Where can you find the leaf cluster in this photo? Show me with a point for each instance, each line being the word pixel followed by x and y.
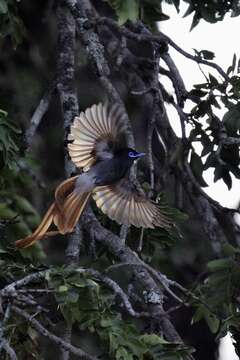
pixel 210 130
pixel 11 24
pixel 220 308
pixel 85 301
pixel 150 11
pixel 8 141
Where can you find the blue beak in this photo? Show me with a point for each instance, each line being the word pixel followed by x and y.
pixel 140 154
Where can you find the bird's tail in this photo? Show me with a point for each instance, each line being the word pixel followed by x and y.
pixel 64 213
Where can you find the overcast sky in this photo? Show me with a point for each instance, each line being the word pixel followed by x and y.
pixel 219 38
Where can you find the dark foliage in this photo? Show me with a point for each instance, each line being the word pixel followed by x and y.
pixel 136 295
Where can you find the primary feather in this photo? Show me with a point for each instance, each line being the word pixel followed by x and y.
pixel 97 143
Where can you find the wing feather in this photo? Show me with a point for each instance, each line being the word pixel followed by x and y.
pixel 123 203
pixel 147 217
pixel 94 133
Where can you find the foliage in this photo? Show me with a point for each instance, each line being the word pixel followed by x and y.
pixel 211 11
pixel 185 255
pixel 8 146
pixel 11 25
pixel 151 10
pixel 210 130
pixel 13 205
pixel 148 11
pixel 220 309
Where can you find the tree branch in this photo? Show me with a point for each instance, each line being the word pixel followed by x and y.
pixel 69 102
pixel 38 115
pixel 95 52
pixel 154 296
pixel 159 39
pixel 44 332
pixel 116 289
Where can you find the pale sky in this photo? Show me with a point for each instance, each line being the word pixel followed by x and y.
pixel 219 38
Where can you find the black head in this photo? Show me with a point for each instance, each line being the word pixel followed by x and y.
pixel 133 154
pixel 130 154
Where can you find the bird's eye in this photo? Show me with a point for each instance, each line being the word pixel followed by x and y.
pixel 131 154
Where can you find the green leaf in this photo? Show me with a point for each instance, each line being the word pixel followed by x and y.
pixel 218 172
pixel 195 21
pixel 201 109
pixel 198 93
pixel 189 10
pixel 152 13
pixel 212 321
pixel 231 120
pixel 8 148
pixel 123 354
pixel 211 161
pixel 125 9
pixel 63 288
pixel 207 55
pixel 229 250
pixel 207 145
pixel 3 7
pixel 238 66
pixel 213 80
pixel 227 179
pixel 219 264
pixel 153 339
pixel 176 4
pixel 24 205
pixel 208 13
pixel 233 66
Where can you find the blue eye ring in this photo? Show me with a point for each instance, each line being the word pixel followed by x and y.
pixel 131 154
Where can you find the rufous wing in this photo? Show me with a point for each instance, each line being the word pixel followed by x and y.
pixel 94 133
pixel 126 205
pixel 64 213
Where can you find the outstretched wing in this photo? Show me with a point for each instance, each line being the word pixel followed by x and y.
pixel 123 203
pixel 95 133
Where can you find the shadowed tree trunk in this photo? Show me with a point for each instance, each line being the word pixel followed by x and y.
pixel 108 291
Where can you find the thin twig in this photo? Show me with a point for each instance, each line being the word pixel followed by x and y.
pixel 126 255
pixel 116 289
pixel 159 39
pixel 11 288
pixel 4 344
pixel 46 333
pixel 9 350
pixel 38 115
pixel 140 243
pixel 163 280
pixel 123 233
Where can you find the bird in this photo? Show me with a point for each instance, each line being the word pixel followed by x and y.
pixel 97 144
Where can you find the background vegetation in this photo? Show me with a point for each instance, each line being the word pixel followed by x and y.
pixel 108 292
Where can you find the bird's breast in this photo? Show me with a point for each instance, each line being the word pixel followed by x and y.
pixel 109 171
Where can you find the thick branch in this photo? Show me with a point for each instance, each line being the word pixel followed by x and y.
pixel 95 52
pixel 154 296
pixel 68 98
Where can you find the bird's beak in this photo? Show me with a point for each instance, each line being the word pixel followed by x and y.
pixel 140 155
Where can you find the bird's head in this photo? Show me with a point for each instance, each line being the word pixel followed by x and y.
pixel 129 155
pixel 134 155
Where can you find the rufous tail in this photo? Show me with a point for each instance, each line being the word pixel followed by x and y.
pixel 64 213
